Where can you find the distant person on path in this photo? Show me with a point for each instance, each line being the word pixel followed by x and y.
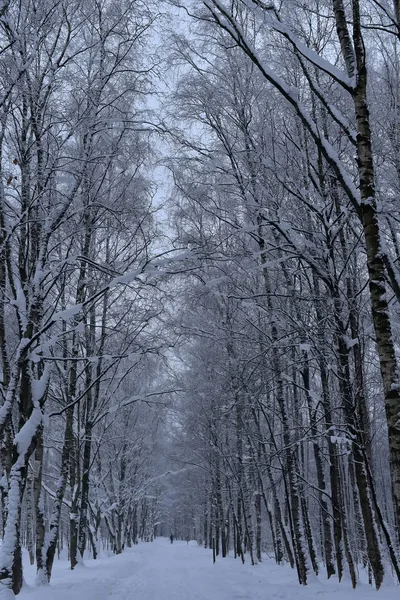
pixel 171 537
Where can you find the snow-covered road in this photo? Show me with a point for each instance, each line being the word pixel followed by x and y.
pixel 161 571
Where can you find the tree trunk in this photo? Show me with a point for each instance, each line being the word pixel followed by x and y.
pixel 257 506
pixel 74 510
pixel 84 503
pixel 40 520
pixel 55 517
pixel 370 524
pixel 30 517
pixel 11 575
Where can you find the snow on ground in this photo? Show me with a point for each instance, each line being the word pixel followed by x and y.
pixel 161 571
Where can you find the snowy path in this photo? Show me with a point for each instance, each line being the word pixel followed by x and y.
pixel 161 571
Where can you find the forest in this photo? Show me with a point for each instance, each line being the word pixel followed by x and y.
pixel 200 282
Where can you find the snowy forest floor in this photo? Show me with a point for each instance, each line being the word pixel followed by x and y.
pixel 161 571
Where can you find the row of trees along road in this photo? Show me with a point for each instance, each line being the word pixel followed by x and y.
pixel 78 312
pixel 285 129
pixel 276 317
